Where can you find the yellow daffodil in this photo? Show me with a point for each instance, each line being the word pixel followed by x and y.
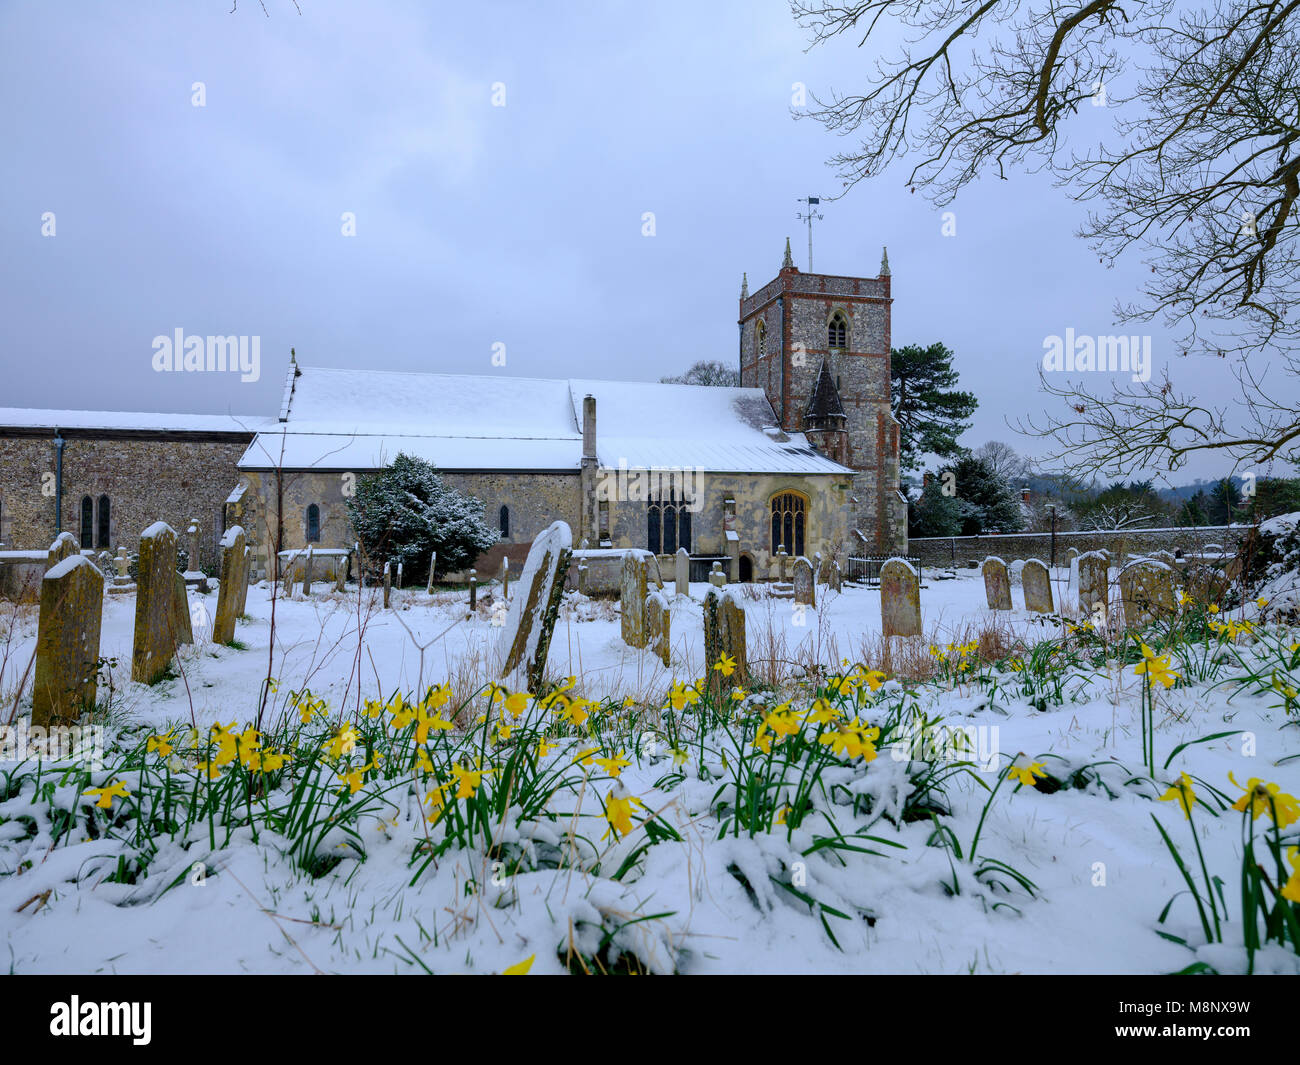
pixel 107 794
pixel 373 708
pixel 679 756
pixel 613 766
pixel 342 741
pixel 517 702
pixel 618 812
pixel 1181 790
pixel 544 747
pixel 822 713
pixel 1261 602
pixel 726 665
pixel 437 803
pixel 1156 667
pixel 403 713
pixel 628 703
pixel 1267 798
pixel 854 739
pixel 1214 608
pixel 737 694
pixel 468 781
pixel 585 756
pixel 1025 771
pixel 1291 889
pixel 520 968
pixel 426 722
pixel 160 745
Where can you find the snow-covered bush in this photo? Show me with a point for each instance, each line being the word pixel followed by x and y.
pixel 406 512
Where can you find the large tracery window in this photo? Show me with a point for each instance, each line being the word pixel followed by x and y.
pixel 668 524
pixel 837 332
pixel 87 522
pixel 788 510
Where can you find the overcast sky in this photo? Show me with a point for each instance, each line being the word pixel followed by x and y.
pixel 475 224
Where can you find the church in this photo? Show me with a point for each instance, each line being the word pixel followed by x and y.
pixel 802 457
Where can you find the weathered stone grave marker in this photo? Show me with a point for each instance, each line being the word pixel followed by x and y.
pixel 1037 585
pixel 804 589
pixel 997 585
pixel 633 584
pixel 526 635
pixel 1146 591
pixel 155 638
pixel 232 550
pixel 67 642
pixel 900 599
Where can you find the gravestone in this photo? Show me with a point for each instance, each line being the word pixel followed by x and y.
pixel 473 590
pixel 307 571
pixel 682 571
pixel 582 576
pixel 658 624
pixel 724 634
pixel 155 569
pixel 505 577
pixel 1147 592
pixel 388 583
pixel 526 635
pixel 900 599
pixel 122 584
pixel 835 581
pixel 997 585
pixel 65 546
pixel 433 565
pixel 1037 585
pixel 67 642
pixel 804 590
pixel 341 572
pixel 245 572
pixel 633 584
pixel 782 558
pixel 231 551
pixel 182 628
pixel 1094 582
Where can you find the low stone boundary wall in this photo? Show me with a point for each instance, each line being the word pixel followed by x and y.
pixel 941 550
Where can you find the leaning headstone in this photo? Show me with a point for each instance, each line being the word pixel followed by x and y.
pixel 1147 592
pixel 804 590
pixel 1094 582
pixel 997 585
pixel 682 571
pixel 67 642
pixel 657 624
pixel 724 634
pixel 633 583
pixel 900 599
pixel 1037 584
pixel 65 546
pixel 154 603
pixel 182 628
pixel 231 550
pixel 526 635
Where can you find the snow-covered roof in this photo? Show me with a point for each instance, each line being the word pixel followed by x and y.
pixel 720 430
pixel 362 419
pixel 24 418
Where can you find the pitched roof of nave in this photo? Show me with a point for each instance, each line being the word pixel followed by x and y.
pixel 336 419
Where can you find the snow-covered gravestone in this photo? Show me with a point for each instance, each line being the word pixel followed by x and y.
pixel 724 634
pixel 232 550
pixel 1037 585
pixel 658 624
pixel 155 599
pixel 900 599
pixel 67 642
pixel 341 571
pixel 307 571
pixel 804 589
pixel 1093 585
pixel 682 574
pixel 1147 592
pixel 64 546
pixel 997 585
pixel 388 583
pixel 433 566
pixel 526 635
pixel 633 584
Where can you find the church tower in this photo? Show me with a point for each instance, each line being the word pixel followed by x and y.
pixel 818 346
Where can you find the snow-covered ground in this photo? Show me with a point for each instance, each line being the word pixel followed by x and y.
pixel 1102 873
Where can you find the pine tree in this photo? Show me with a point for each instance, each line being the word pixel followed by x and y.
pixel 931 415
pixel 986 502
pixel 405 512
pixel 934 514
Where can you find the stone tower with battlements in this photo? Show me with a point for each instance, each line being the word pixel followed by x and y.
pixel 818 346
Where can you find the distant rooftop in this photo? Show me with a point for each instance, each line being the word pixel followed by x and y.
pixel 130 421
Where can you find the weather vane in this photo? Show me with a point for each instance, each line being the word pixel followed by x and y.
pixel 808 216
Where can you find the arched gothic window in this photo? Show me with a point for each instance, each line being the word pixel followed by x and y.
pixel 87 522
pixel 504 518
pixel 788 515
pixel 101 532
pixel 837 332
pixel 668 523
pixel 761 339
pixel 313 524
